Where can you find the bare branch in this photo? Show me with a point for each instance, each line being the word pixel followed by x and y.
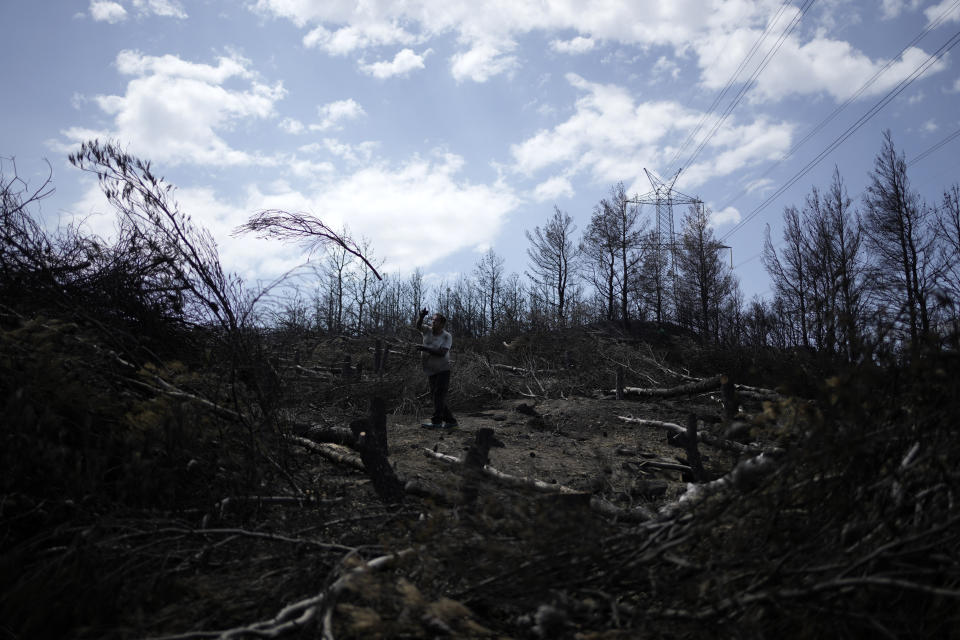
pixel 299 227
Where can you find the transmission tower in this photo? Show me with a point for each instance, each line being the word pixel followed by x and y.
pixel 663 196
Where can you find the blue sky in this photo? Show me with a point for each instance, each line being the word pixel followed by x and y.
pixel 437 129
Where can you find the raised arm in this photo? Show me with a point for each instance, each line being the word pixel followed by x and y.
pixel 423 314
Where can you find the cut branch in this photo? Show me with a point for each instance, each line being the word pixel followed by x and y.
pixel 299 614
pixel 299 227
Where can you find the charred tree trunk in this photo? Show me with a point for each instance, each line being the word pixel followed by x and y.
pixel 731 404
pixel 371 437
pixel 697 474
pixel 478 457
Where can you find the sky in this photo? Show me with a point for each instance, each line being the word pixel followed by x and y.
pixel 437 129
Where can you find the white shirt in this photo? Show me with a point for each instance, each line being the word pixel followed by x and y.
pixel 435 364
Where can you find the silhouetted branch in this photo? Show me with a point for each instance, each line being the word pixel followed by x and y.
pixel 299 227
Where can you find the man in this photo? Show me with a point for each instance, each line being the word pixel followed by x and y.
pixel 436 364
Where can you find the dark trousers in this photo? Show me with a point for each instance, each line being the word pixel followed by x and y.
pixel 439 386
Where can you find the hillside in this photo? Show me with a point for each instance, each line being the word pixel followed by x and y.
pixel 164 499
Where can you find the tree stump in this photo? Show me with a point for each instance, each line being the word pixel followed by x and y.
pixel 477 457
pixel 731 404
pixel 371 437
pixel 697 474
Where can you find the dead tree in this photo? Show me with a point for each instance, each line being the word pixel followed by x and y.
pixel 371 437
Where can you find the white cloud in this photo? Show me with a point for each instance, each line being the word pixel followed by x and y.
pixel 736 147
pixel 890 9
pixel 820 65
pixel 403 63
pixel 573 46
pixel 414 214
pixel 351 153
pixel 481 63
pixel 292 125
pixel 934 12
pixel 666 66
pixel 176 111
pixel 552 189
pixel 106 11
pixel 956 86
pixel 135 63
pixel 355 37
pixel 546 109
pixel 762 185
pixel 165 8
pixel 114 12
pixel 333 113
pixel 730 215
pixel 429 214
pixel 718 32
pixel 930 126
pixel 611 137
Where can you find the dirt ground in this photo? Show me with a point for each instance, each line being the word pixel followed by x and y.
pixel 577 442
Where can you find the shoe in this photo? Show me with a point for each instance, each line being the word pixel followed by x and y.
pixel 431 425
pixel 451 425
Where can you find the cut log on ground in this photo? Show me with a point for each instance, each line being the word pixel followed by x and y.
pixel 325 433
pixel 747 475
pixel 709 384
pixel 703 436
pixel 757 393
pixel 597 504
pixel 333 452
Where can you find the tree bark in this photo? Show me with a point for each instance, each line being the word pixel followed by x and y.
pixel 371 436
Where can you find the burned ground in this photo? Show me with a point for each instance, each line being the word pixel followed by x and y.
pixel 156 500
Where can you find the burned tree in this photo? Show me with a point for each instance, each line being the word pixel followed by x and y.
pixel 553 260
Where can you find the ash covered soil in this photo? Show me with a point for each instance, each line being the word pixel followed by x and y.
pixel 577 442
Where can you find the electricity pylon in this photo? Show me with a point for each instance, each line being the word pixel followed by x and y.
pixel 663 196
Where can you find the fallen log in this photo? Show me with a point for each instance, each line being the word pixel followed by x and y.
pixel 703 436
pixel 748 474
pixel 333 452
pixel 522 482
pixel 324 433
pixel 597 504
pixel 325 375
pixel 757 393
pixel 669 466
pixel 699 386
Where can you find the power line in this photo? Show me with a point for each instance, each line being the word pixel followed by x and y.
pixel 893 93
pixel 934 148
pixel 730 82
pixel 920 156
pixel 752 79
pixel 866 85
